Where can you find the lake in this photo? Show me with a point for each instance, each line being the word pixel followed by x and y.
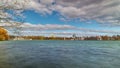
pixel 60 54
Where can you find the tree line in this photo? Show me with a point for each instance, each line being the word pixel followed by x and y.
pixel 114 37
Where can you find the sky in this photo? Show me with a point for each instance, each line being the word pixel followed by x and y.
pixel 67 17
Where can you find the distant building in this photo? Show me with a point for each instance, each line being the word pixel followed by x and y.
pixel 74 36
pixel 81 38
pixel 99 37
pixel 52 37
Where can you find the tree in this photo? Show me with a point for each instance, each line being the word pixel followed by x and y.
pixel 11 13
pixel 3 34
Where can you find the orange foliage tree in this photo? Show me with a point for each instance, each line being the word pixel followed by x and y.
pixel 3 34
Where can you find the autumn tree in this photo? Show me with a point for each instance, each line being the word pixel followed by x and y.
pixel 3 34
pixel 11 13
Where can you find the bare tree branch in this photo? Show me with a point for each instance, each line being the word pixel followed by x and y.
pixel 16 7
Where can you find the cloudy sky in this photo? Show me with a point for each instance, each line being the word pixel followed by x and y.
pixel 83 17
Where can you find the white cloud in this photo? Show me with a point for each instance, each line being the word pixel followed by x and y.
pixel 38 27
pixel 47 1
pixel 99 10
pixel 50 28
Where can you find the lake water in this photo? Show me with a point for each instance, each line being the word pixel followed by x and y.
pixel 60 54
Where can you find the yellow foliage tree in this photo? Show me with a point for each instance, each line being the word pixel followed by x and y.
pixel 3 34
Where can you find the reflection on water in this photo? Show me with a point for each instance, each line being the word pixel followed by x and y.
pixel 60 54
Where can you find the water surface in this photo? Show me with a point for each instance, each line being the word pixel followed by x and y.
pixel 60 54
